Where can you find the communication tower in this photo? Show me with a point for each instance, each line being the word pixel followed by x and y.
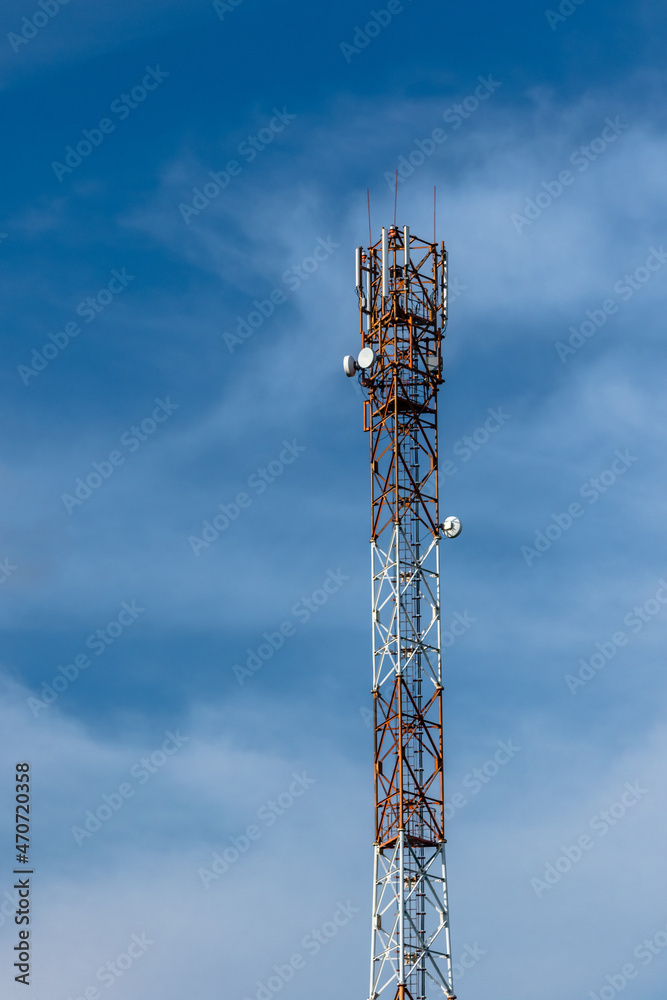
pixel 401 284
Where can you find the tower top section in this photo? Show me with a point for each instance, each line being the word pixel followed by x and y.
pixel 401 284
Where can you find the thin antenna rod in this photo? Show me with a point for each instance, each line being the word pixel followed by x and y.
pixel 434 213
pixel 395 197
pixel 370 231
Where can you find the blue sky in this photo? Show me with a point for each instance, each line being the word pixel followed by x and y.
pixel 552 201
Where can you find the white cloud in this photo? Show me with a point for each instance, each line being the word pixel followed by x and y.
pixel 139 872
pixel 79 32
pixel 523 292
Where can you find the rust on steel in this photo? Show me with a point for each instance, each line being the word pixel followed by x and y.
pixel 400 414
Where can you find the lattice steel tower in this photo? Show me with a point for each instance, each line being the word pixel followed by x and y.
pixel 402 289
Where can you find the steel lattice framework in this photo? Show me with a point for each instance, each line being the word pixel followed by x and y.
pixel 402 290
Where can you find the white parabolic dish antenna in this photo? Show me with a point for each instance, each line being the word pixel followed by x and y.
pixel 451 527
pixel 366 357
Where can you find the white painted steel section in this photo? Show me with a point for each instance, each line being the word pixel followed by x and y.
pixel 390 598
pixel 391 966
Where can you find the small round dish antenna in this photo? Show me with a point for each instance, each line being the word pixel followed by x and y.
pixel 366 357
pixel 349 366
pixel 451 527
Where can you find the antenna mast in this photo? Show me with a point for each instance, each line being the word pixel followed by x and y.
pixel 402 289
